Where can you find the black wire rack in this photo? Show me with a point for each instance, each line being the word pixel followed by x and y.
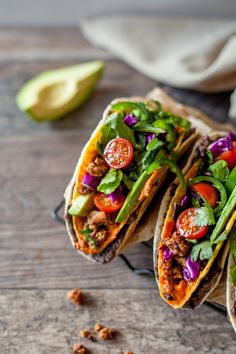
pixel 56 214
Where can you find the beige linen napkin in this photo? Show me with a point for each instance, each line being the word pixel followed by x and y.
pixel 196 54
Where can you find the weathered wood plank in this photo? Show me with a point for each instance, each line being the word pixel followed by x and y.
pixel 40 322
pixel 50 44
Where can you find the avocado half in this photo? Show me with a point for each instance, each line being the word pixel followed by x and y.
pixel 53 94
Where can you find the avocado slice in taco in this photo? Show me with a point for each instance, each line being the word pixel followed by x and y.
pixel 120 170
pixel 195 222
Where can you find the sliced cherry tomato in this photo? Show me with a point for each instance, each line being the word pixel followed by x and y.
pixel 118 153
pixel 185 225
pixel 229 156
pixel 207 191
pixel 104 203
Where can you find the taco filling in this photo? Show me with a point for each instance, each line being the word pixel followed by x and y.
pixel 135 142
pixel 194 229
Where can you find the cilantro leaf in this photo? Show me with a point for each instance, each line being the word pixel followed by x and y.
pixel 115 120
pixel 154 144
pixel 223 236
pixel 110 181
pixel 148 128
pixel 146 160
pixel 210 157
pixel 202 250
pixel 86 233
pixel 107 134
pixel 137 108
pixel 176 121
pixel 204 216
pixel 219 170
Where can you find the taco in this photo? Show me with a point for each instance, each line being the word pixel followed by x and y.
pixel 120 170
pixel 190 242
pixel 231 279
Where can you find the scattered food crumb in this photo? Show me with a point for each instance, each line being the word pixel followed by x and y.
pixel 88 334
pixel 107 333
pixel 76 296
pixel 79 349
pixel 98 327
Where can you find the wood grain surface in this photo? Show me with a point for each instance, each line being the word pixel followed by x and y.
pixel 37 263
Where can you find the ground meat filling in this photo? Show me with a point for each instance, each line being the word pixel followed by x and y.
pixel 84 190
pixel 97 168
pixel 172 268
pixel 98 223
pixel 177 245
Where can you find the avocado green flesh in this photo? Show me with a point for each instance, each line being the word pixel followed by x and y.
pixel 53 94
pixel 132 198
pixel 225 214
pixel 82 205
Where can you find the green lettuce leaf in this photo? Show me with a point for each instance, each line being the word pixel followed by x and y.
pixel 219 170
pixel 110 181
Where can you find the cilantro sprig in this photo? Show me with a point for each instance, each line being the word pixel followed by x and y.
pixel 204 249
pixel 86 233
pixel 204 216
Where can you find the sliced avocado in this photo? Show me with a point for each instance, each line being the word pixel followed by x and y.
pixel 132 198
pixel 52 94
pixel 82 205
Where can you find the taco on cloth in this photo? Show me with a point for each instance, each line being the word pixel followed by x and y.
pixel 120 170
pixel 190 242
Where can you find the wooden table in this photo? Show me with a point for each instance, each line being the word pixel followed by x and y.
pixel 38 264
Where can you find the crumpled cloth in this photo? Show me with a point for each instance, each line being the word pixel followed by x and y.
pixel 184 53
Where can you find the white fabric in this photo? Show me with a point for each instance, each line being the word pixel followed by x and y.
pixel 197 54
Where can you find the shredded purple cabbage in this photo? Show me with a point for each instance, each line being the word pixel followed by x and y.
pixel 196 196
pixel 221 145
pixel 177 211
pixel 130 120
pixel 186 274
pixel 184 201
pixel 231 136
pixel 150 137
pixel 167 254
pixel 116 195
pixel 90 181
pixel 190 272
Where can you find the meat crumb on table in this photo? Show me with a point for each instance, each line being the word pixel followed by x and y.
pixel 76 296
pixel 79 349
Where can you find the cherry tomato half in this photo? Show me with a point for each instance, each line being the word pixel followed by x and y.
pixel 185 225
pixel 229 156
pixel 104 203
pixel 118 153
pixel 207 191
